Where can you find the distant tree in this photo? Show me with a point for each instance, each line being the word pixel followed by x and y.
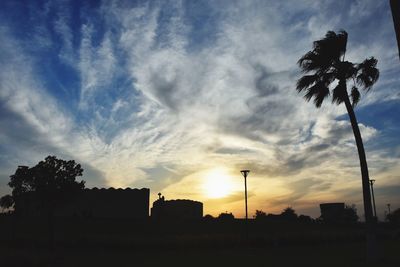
pixel 305 218
pixel 394 217
pixel 260 215
pixel 6 202
pixel 208 217
pixel 273 217
pixel 225 216
pixel 51 183
pixel 350 214
pixel 288 214
pixel 21 182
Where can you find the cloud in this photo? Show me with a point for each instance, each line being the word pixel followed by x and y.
pixel 164 91
pixel 64 31
pixel 96 64
pixel 300 189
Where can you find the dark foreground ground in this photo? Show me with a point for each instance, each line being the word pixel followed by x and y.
pixel 126 243
pixel 325 255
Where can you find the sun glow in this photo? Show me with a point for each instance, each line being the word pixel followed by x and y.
pixel 218 184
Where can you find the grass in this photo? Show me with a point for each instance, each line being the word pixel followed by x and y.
pixel 127 243
pixel 351 254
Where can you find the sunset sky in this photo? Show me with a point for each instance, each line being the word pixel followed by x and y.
pixel 179 96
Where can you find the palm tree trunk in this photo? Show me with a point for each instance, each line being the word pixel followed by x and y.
pixel 395 6
pixel 369 219
pixel 363 162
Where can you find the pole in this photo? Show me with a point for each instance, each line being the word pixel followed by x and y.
pixel 245 173
pixel 388 205
pixel 245 194
pixel 373 196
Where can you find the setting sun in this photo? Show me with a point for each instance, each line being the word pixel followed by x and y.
pixel 218 184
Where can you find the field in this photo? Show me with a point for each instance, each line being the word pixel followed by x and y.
pixel 212 243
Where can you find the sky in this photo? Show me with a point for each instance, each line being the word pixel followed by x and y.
pixel 179 96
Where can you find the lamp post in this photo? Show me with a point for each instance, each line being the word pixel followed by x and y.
pixel 245 173
pixel 371 182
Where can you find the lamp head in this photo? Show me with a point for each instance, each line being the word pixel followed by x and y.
pixel 245 173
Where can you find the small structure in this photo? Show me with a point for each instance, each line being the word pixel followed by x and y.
pixel 332 212
pixel 179 209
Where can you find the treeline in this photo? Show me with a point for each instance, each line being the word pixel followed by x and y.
pixel 289 215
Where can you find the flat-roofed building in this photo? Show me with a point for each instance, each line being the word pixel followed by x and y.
pixel 178 209
pixel 97 203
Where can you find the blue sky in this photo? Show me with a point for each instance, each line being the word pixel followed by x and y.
pixel 178 96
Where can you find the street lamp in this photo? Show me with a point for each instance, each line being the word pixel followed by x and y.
pixel 371 182
pixel 245 173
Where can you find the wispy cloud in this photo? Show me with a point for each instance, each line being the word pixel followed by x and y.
pixel 160 98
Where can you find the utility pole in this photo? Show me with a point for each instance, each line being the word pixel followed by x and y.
pixel 245 173
pixel 371 182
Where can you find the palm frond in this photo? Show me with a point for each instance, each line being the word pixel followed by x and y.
pixel 355 96
pixel 325 52
pixel 368 74
pixel 339 93
pixel 305 82
pixel 319 91
pixel 342 41
pixel 309 56
pixel 325 63
pixel 320 97
pixel 309 62
pixel 328 77
pixel 332 47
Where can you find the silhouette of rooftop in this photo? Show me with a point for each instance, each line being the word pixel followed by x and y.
pixel 176 209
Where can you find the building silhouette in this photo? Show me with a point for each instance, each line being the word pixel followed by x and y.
pixel 111 203
pixel 97 203
pixel 178 209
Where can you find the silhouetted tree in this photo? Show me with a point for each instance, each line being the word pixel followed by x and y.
pixel 327 63
pixel 394 216
pixel 52 183
pixel 208 217
pixel 6 202
pixel 21 183
pixel 350 214
pixel 288 214
pixel 260 215
pixel 305 218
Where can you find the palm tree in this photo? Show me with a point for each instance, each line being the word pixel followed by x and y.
pixel 329 74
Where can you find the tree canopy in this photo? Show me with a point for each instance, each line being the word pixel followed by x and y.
pixel 289 214
pixel 52 182
pixel 327 64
